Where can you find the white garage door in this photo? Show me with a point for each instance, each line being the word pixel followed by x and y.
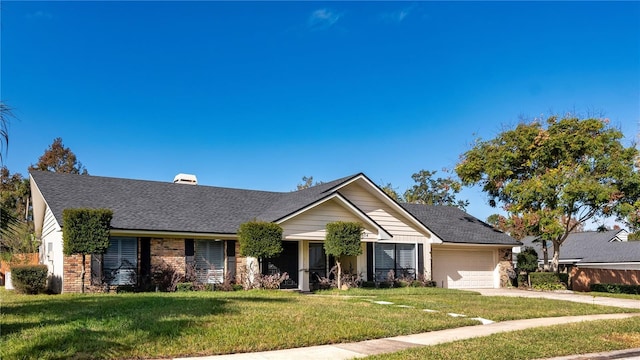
pixel 458 269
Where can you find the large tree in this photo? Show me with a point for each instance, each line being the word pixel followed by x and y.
pixel 60 159
pixel 14 197
pixel 556 175
pixel 430 190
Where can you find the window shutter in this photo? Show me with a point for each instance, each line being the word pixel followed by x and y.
pixel 421 259
pixel 369 261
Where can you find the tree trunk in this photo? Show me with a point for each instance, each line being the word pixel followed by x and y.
pixel 339 275
pixel 82 274
pixel 555 263
pixel 545 256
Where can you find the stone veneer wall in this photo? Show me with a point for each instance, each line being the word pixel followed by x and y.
pixel 167 252
pixel 241 264
pixel 505 265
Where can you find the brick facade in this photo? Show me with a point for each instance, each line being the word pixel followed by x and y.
pixel 168 252
pixel 582 278
pixel 72 275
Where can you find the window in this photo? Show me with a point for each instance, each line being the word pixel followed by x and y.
pixel 209 261
pixel 119 263
pixel 401 258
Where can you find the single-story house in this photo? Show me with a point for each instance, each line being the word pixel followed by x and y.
pixel 592 249
pixel 595 257
pixel 156 224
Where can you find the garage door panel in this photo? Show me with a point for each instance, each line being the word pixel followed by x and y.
pixel 463 269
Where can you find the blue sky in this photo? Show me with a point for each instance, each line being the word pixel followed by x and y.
pixel 258 94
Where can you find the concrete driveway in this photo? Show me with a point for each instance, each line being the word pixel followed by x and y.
pixel 563 295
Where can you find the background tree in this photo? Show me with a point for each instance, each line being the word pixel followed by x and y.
pixel 60 159
pixel 343 239
pixel 392 192
pixel 307 182
pixel 14 197
pixel 260 240
pixel 438 191
pixel 86 231
pixel 556 176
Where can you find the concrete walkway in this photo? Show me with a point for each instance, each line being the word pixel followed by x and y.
pixel 565 295
pixel 397 343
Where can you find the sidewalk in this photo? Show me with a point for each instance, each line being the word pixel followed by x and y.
pixel 566 296
pixel 397 343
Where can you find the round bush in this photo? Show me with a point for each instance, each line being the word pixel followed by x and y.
pixel 29 279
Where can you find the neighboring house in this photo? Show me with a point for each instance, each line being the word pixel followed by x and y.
pixel 159 224
pixel 593 249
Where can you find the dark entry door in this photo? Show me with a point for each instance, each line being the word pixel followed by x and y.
pixel 286 262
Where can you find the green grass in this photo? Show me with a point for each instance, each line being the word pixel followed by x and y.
pixel 537 343
pixel 619 296
pixel 154 325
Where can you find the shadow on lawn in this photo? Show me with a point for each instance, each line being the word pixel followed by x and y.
pixel 90 326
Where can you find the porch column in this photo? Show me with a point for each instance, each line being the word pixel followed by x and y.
pixel 303 265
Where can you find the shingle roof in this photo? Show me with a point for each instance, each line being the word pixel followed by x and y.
pixel 456 226
pixel 163 206
pixel 592 247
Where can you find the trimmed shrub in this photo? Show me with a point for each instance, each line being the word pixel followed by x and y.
pixel 29 279
pixel 185 286
pixel 616 288
pixel 549 280
pixel 260 239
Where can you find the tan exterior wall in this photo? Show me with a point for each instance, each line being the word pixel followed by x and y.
pixel 381 213
pixel 582 278
pixel 311 225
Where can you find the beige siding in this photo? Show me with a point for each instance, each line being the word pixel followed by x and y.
pixel 381 213
pixel 310 225
pixel 50 224
pixel 51 234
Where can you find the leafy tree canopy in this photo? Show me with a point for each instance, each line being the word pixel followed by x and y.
pixel 14 197
pixel 343 238
pixel 260 239
pixel 60 159
pixel 392 192
pixel 434 191
pixel 557 175
pixel 307 182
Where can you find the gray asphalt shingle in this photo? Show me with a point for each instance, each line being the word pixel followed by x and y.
pixel 456 226
pixel 592 247
pixel 164 206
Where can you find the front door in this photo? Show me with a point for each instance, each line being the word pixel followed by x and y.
pixel 286 262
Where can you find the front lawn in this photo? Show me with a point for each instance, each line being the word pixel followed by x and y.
pixel 538 343
pixel 154 325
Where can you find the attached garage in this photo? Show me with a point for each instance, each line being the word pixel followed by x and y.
pixel 465 269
